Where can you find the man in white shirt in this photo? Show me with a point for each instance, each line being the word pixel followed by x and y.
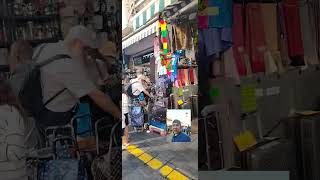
pixel 70 74
pixel 138 87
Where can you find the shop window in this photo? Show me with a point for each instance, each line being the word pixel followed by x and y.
pixel 152 10
pixel 144 15
pixel 137 23
pixel 161 5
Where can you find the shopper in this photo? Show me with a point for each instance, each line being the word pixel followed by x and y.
pixel 20 57
pixel 179 136
pixel 12 136
pixel 125 119
pixel 96 68
pixel 69 77
pixel 138 89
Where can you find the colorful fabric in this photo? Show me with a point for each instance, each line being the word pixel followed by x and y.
pixel 255 39
pixel 214 14
pixel 294 35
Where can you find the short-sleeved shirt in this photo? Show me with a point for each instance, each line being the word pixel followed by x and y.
pixel 60 74
pixel 137 88
pixel 182 137
pixel 12 144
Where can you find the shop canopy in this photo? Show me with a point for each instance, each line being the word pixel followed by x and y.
pixel 180 7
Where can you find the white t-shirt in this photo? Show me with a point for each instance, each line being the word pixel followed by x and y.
pixel 137 87
pixel 60 74
pixel 12 144
pixel 125 104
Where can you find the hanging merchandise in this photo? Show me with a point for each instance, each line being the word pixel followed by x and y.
pixel 307 19
pixel 292 22
pixel 240 55
pixel 164 35
pixel 182 37
pixel 273 57
pixel 214 14
pixel 255 40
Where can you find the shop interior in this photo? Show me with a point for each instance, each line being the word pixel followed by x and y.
pixel 260 106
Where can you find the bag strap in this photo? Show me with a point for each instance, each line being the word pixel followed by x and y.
pixel 131 87
pixel 39 52
pixel 56 95
pixel 50 60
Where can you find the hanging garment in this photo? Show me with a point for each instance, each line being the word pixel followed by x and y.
pixel 238 40
pixel 292 21
pixel 183 37
pixel 283 41
pixel 195 75
pixel 186 76
pixel 191 75
pixel 255 40
pixel 270 23
pixel 214 41
pixel 230 66
pixel 308 33
pixel 215 14
pixel 315 4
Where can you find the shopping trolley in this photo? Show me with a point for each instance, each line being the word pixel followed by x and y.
pixel 108 166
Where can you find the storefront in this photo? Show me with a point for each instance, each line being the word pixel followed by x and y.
pixel 175 65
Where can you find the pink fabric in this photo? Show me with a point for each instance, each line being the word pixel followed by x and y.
pixel 195 75
pixel 238 39
pixel 292 21
pixel 191 77
pixel 202 22
pixel 255 40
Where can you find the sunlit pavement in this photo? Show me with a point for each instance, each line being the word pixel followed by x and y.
pixel 154 157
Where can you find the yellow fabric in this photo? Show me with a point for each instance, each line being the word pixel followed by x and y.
pixel 245 140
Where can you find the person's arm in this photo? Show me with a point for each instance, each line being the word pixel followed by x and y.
pixel 147 93
pixel 105 102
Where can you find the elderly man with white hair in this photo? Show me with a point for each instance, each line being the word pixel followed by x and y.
pixel 66 81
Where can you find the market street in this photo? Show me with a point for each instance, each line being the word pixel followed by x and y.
pixel 179 158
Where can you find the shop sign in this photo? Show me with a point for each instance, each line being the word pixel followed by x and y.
pixel 142 59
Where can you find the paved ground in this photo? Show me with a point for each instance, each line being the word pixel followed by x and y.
pixel 181 157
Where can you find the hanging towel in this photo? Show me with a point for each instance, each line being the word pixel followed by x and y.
pixel 270 23
pixel 186 76
pixel 295 43
pixel 238 39
pixel 283 41
pixel 308 33
pixel 255 39
pixel 195 75
pixel 230 66
pixel 191 75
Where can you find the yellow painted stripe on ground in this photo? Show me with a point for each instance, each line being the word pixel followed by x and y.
pixel 130 147
pixel 136 152
pixel 175 175
pixel 145 157
pixel 155 164
pixel 166 170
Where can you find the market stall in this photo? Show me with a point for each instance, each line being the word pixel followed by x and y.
pixel 176 82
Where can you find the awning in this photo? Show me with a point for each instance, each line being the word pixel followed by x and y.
pixel 179 6
pixel 141 47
